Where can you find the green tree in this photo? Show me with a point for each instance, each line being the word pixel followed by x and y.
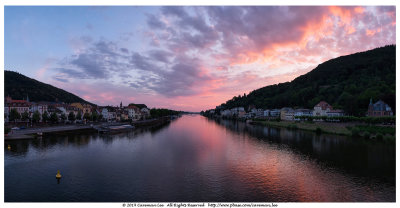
pixel 14 115
pixel 45 116
pixel 79 115
pixel 53 117
pixel 71 116
pixel 36 117
pixel 25 116
pixel 86 116
pixel 94 116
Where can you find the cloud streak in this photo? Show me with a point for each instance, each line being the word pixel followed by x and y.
pixel 217 52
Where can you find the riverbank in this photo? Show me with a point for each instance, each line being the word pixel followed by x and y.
pixel 31 133
pixel 331 128
pixel 346 129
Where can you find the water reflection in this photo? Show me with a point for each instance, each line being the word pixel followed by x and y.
pixel 353 155
pixel 196 159
pixel 45 143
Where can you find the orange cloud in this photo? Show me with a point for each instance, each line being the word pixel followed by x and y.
pixel 344 14
pixel 350 30
pixel 372 32
pixel 313 30
pixel 359 10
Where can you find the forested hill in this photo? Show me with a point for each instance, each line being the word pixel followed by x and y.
pixel 347 82
pixel 18 86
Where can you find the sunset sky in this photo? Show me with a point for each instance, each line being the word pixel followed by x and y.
pixel 183 58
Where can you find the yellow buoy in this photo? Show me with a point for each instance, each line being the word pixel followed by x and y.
pixel 58 176
pixel 9 147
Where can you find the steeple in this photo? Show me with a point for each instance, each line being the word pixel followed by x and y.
pixel 27 98
pixel 370 101
pixel 120 105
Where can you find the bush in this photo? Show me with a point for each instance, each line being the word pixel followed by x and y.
pixel 355 132
pixel 389 138
pixel 377 129
pixel 292 126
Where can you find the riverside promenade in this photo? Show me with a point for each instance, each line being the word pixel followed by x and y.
pixel 32 132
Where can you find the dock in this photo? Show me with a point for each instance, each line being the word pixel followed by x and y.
pixel 152 122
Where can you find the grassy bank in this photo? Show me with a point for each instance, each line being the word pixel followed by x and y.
pixel 332 128
pixel 386 133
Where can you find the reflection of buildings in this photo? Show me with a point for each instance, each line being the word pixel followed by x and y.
pixel 336 150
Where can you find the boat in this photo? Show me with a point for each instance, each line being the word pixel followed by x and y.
pixel 115 129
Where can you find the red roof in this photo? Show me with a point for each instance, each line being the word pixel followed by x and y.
pixel 132 107
pixel 324 105
pixel 19 101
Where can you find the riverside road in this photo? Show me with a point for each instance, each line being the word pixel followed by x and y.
pixel 28 133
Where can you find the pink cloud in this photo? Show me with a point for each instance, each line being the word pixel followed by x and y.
pixel 199 57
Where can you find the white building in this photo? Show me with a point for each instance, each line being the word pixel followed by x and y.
pixel 335 113
pixel 40 107
pixel 145 112
pixel 133 112
pixel 62 109
pixel 112 115
pixel 104 113
pixel 321 109
pixel 302 112
pixel 226 113
pixel 259 112
pixel 275 113
pixel 238 111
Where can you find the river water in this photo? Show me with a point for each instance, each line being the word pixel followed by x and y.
pixel 195 159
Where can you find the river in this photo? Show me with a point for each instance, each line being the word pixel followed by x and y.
pixel 195 159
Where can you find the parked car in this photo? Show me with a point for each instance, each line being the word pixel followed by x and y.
pixel 22 127
pixel 15 128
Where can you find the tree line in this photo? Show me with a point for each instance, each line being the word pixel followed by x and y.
pixel 14 116
pixel 161 112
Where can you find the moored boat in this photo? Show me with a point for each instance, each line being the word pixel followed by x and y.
pixel 115 129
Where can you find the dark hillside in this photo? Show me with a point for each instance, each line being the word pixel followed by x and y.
pixel 346 82
pixel 19 86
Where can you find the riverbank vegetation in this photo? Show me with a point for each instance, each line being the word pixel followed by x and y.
pixel 386 133
pixel 367 120
pixel 161 112
pixel 336 128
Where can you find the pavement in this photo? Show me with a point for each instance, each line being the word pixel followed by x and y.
pixel 30 132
